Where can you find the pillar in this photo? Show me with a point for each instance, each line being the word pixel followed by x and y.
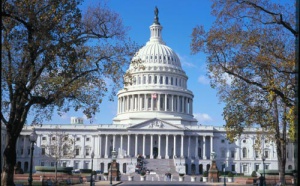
pixel 196 148
pixel 174 149
pixel 144 141
pixel 167 147
pixel 159 147
pixel 136 143
pixel 121 145
pixel 128 145
pixel 106 141
pixel 204 150
pixel 189 147
pixel 100 143
pixel 114 142
pixel 151 146
pixel 211 144
pixel 181 152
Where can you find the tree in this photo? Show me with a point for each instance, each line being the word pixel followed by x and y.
pixel 251 62
pixel 59 146
pixel 55 58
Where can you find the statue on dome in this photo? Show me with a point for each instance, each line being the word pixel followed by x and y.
pixel 156 15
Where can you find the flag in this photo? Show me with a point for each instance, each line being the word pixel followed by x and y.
pixel 154 96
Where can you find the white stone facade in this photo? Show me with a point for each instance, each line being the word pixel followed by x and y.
pixel 154 119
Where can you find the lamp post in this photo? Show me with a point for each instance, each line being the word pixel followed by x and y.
pixel 92 156
pixel 32 139
pixel 113 158
pixel 264 178
pixel 224 173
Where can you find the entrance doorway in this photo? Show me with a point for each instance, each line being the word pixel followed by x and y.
pixel 155 152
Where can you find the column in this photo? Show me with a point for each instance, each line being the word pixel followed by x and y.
pixel 158 102
pixel 167 146
pixel 204 151
pixel 178 104
pixel 118 109
pixel 139 103
pixel 131 102
pixel 159 150
pixel 100 143
pixel 181 152
pixel 182 104
pixel 174 149
pixel 144 141
pixel 146 102
pixel 151 146
pixel 172 104
pixel 189 148
pixel 211 144
pixel 94 145
pixel 128 145
pixel 106 142
pixel 121 145
pixel 114 142
pixel 166 102
pixel 196 148
pixel 127 106
pixel 83 152
pixel 151 101
pixel 136 143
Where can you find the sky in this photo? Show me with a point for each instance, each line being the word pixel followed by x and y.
pixel 178 18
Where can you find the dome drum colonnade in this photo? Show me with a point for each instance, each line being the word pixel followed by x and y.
pixel 159 89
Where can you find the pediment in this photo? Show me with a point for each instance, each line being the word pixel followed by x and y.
pixel 155 124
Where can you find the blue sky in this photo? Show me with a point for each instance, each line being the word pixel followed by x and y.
pixel 178 18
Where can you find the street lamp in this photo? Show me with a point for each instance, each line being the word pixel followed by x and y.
pixel 224 173
pixel 92 156
pixel 264 178
pixel 32 139
pixel 113 158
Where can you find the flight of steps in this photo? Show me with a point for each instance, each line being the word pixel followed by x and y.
pixel 161 166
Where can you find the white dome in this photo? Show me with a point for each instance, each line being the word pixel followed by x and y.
pixel 159 89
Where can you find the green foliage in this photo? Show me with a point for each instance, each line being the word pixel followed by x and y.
pixel 143 173
pixel 230 174
pixel 253 174
pixel 85 170
pixel 52 169
pixel 105 173
pixel 181 174
pixel 205 174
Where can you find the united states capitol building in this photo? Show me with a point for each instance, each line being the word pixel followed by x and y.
pixel 154 120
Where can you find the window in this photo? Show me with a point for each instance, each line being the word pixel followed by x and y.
pixel 233 167
pixel 171 80
pixel 76 165
pixel 222 141
pixel 245 168
pixel 223 153
pixel 244 141
pixel 167 80
pixel 42 163
pixel 87 151
pixel 144 79
pixel 77 139
pixel 266 154
pixel 256 154
pixel 290 167
pixel 44 138
pixel 87 139
pixel 22 151
pixel 161 80
pixel 256 167
pixel 266 141
pixel 86 165
pixel 149 79
pixel 77 151
pixel 43 151
pixel 52 164
pixel 155 79
pixel 267 166
pixel 244 152
pixel 64 164
pixel 53 138
pixel 232 154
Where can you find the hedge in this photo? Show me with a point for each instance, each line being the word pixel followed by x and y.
pixel 52 169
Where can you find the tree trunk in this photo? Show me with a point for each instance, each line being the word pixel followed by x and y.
pixel 56 172
pixel 9 161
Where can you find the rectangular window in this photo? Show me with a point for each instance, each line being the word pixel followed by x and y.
pixel 44 138
pixel 64 164
pixel 87 139
pixel 244 168
pixel 52 164
pixel 87 152
pixel 256 154
pixel 233 167
pixel 42 163
pixel 256 167
pixel 267 154
pixel 77 139
pixel 77 152
pixel 144 79
pixel 223 154
pixel 232 154
pixel 43 151
pixel 76 165
pixel 86 165
pixel 267 166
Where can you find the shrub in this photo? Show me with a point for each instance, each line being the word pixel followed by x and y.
pixel 181 174
pixel 85 170
pixel 143 173
pixel 105 174
pixel 205 174
pixel 254 174
pixel 230 174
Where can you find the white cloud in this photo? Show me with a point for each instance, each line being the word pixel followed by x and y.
pixel 202 117
pixel 203 80
pixel 184 62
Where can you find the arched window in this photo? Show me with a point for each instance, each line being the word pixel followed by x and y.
pixel 167 80
pixel 244 152
pixel 171 80
pixel 290 167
